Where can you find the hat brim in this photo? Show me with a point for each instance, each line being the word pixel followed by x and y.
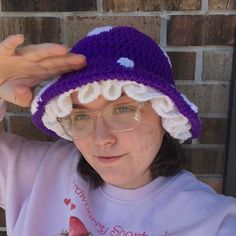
pixel 71 81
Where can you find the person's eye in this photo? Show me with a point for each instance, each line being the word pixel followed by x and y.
pixel 81 116
pixel 124 109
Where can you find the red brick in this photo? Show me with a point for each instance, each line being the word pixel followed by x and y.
pixel 198 30
pixel 2 218
pixel 13 108
pixel 150 5
pixel 35 29
pixel 24 127
pixel 183 5
pixel 48 5
pixel 133 5
pixel 217 65
pixel 210 98
pixel 213 131
pixel 183 64
pixel 221 4
pixel 78 27
pixel 205 160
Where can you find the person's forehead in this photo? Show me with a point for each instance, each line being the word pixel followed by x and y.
pixel 99 102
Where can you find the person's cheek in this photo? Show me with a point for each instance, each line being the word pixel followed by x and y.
pixel 83 146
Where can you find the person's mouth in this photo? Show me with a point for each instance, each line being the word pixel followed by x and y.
pixel 109 159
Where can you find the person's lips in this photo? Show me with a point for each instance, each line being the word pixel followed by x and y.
pixel 109 159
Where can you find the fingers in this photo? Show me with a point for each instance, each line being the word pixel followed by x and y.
pixel 41 51
pixel 35 72
pixel 9 45
pixel 63 64
pixel 58 71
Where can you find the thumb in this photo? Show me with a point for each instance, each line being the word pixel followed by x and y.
pixel 22 96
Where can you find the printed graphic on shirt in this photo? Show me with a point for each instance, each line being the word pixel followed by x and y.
pixel 78 228
pixel 68 202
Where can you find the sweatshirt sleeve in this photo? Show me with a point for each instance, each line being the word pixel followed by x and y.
pixel 2 165
pixel 20 160
pixel 228 226
pixel 2 109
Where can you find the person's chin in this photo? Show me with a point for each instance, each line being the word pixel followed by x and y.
pixel 116 181
pixel 124 181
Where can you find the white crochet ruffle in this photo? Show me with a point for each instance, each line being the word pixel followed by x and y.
pixel 173 121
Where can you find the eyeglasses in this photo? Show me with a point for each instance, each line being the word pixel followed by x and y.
pixel 118 117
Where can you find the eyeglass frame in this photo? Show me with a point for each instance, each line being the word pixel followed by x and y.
pixel 94 118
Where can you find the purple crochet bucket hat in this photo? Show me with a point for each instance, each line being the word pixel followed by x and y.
pixel 124 55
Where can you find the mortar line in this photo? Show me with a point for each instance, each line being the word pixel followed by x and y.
pixel 199 66
pixel 102 13
pixel 99 6
pixel 204 5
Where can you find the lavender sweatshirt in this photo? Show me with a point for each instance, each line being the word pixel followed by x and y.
pixel 44 196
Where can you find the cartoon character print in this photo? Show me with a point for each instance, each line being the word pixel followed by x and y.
pixel 76 226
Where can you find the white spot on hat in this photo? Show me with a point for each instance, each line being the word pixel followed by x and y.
pixel 126 62
pixel 99 30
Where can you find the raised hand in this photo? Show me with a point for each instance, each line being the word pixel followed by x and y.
pixel 22 68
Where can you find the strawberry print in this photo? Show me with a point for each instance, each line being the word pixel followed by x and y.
pixel 77 228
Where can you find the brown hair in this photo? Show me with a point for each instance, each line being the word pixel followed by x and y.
pixel 168 162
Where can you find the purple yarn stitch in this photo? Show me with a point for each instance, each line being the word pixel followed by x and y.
pixel 151 68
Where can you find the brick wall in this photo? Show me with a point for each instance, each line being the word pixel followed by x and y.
pixel 198 35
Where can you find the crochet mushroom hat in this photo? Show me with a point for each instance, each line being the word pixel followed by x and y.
pixel 119 60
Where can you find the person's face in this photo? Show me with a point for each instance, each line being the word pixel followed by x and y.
pixel 122 158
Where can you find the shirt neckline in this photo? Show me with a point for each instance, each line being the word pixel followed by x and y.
pixel 139 194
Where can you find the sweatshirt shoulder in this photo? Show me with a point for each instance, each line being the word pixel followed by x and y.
pixel 202 193
pixel 17 148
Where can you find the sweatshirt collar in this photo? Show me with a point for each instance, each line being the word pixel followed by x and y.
pixel 139 194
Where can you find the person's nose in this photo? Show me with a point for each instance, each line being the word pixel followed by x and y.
pixel 103 135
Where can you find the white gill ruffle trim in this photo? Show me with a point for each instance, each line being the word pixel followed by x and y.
pixel 173 121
